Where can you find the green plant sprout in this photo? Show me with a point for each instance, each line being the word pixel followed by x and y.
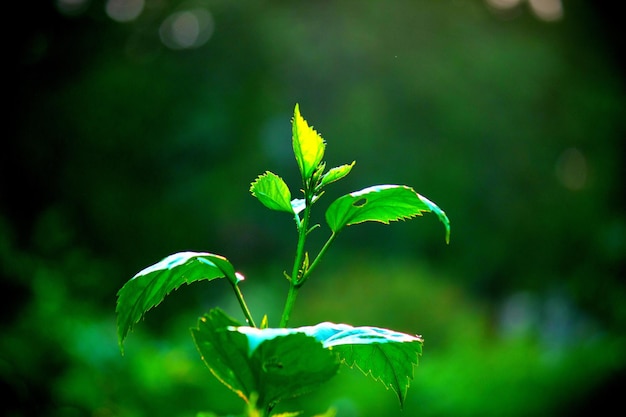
pixel 263 365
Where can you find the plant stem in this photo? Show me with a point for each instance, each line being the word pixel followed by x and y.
pixel 295 286
pixel 317 258
pixel 294 282
pixel 291 299
pixel 244 306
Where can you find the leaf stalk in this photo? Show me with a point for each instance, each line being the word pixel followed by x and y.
pixel 243 305
pixel 316 261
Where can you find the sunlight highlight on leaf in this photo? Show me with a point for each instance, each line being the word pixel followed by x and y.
pixel 150 286
pixel 335 174
pixel 267 362
pixel 272 191
pixel 385 355
pixel 308 145
pixel 380 203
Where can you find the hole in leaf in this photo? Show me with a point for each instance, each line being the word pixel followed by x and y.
pixel 360 202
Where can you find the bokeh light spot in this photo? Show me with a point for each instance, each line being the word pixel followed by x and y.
pixel 503 4
pixel 187 29
pixel 72 7
pixel 124 10
pixel 548 10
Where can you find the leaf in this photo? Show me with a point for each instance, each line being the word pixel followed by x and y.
pixel 440 214
pixel 150 286
pixel 335 174
pixel 225 352
pixel 274 363
pixel 291 365
pixel 380 203
pixel 299 204
pixel 386 355
pixel 308 145
pixel 272 191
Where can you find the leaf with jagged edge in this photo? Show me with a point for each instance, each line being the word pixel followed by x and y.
pixel 274 363
pixel 308 145
pixel 150 286
pixel 439 213
pixel 335 174
pixel 381 203
pixel 225 352
pixel 386 355
pixel 272 191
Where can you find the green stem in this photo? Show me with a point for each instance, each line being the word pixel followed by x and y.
pixel 291 299
pixel 243 305
pixel 294 282
pixel 317 258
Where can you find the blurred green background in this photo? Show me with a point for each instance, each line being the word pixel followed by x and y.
pixel 133 129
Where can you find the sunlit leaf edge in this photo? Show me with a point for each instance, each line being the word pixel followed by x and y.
pixel 149 287
pixel 342 338
pixel 272 191
pixel 335 174
pixel 218 348
pixel 308 145
pixel 401 381
pixel 345 211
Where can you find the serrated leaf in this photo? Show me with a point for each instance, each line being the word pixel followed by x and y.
pixel 335 174
pixel 225 352
pixel 291 365
pixel 308 145
pixel 380 203
pixel 150 286
pixel 272 191
pixel 274 363
pixel 386 355
pixel 440 214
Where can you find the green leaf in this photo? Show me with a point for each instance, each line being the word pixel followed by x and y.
pixel 291 365
pixel 440 214
pixel 274 363
pixel 225 352
pixel 299 204
pixel 386 355
pixel 335 174
pixel 150 286
pixel 308 145
pixel 381 203
pixel 272 191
